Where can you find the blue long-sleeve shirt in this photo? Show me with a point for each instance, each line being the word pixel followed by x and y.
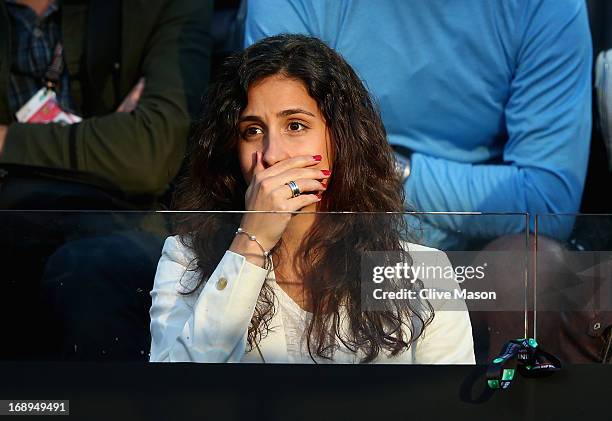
pixel 493 96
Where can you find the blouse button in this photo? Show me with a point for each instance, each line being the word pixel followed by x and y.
pixel 221 284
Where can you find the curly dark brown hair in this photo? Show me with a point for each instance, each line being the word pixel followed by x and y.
pixel 364 182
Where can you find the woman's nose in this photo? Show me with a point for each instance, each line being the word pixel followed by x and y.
pixel 275 149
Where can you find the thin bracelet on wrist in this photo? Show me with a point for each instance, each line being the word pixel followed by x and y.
pixel 267 258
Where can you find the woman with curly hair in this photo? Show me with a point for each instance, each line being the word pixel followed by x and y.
pixel 291 136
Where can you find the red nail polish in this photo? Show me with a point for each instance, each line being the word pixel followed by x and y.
pixel 326 172
pixel 317 157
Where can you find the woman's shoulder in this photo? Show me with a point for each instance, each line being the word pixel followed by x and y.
pixel 408 246
pixel 178 248
pixel 177 267
pixel 420 252
pixel 434 264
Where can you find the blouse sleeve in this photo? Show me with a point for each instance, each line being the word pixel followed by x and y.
pixel 210 326
pixel 448 338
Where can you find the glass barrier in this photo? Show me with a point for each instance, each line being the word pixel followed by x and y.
pixel 573 289
pixel 338 287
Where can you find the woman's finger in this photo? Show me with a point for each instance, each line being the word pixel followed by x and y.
pixel 300 161
pixel 304 185
pixel 299 174
pixel 259 166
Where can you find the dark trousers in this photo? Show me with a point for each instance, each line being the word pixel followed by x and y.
pixel 76 286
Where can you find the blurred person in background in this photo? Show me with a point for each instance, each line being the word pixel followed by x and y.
pixel 135 80
pixel 96 102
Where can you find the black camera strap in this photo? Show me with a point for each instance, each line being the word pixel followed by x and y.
pixel 523 355
pixel 56 68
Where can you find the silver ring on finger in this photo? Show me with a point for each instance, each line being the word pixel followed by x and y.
pixel 295 190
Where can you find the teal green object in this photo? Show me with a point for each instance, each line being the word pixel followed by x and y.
pixel 493 384
pixel 508 374
pixel 533 343
pixel 498 360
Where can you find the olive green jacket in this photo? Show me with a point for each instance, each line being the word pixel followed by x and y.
pixel 165 41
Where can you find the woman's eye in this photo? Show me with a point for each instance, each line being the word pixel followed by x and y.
pixel 295 126
pixel 252 131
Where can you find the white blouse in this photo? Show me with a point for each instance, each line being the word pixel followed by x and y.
pixel 211 325
pixel 295 322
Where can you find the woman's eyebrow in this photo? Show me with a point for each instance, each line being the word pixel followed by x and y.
pixel 284 113
pixel 250 118
pixel 289 112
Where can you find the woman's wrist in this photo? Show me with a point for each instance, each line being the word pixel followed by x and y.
pixel 249 249
pixel 255 224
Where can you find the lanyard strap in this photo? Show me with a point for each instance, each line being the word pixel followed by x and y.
pixel 524 355
pixel 55 69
